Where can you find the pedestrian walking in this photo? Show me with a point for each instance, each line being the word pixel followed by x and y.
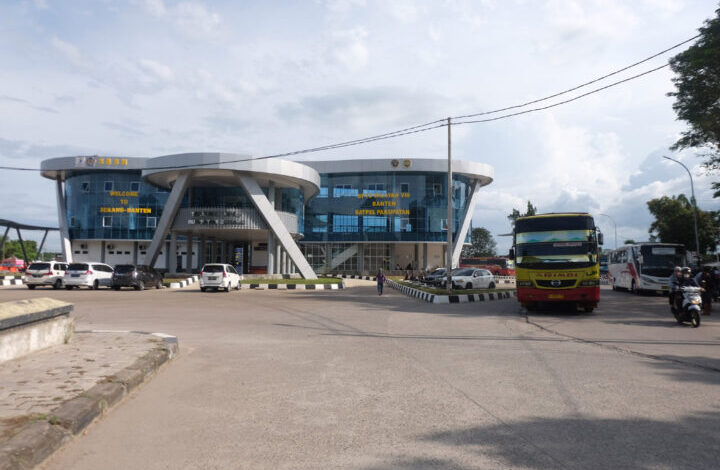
pixel 380 281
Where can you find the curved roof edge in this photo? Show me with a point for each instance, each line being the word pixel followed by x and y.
pixel 57 168
pixel 163 170
pixel 480 171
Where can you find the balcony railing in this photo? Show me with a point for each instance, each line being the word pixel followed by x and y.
pixel 228 218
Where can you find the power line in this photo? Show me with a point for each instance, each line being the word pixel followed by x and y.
pixel 437 123
pixel 570 100
pixel 555 95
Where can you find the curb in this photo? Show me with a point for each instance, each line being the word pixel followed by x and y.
pixel 184 283
pixel 294 286
pixel 38 440
pixel 11 281
pixel 449 299
pixel 352 276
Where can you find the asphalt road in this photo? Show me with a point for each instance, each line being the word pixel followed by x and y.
pixel 352 380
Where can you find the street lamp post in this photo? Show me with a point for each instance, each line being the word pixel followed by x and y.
pixel 615 225
pixel 692 190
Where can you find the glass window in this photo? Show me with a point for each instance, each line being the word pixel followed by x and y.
pixel 135 186
pixel 85 186
pixel 375 188
pixel 107 221
pixel 323 192
pixel 404 187
pixel 344 190
pixel 345 223
pixel 373 223
pixel 108 186
pixel 151 222
pixel 402 224
pixel 319 224
pixel 437 189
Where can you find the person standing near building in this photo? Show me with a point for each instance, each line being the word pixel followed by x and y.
pixel 380 281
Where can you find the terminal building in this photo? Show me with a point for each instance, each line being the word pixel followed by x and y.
pixel 265 216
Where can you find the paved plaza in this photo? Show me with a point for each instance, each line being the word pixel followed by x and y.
pixel 347 379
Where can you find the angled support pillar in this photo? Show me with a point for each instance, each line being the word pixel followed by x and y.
pixel 465 225
pixel 169 212
pixel 2 243
pixel 267 212
pixel 62 222
pixel 42 244
pixel 22 245
pixel 172 253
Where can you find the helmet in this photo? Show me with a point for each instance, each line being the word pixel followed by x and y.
pixel 677 269
pixel 686 272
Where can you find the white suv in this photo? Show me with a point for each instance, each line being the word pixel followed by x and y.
pixel 219 276
pixel 92 275
pixel 48 273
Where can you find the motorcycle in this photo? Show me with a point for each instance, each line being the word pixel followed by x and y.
pixel 691 305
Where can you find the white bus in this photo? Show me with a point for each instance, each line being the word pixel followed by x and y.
pixel 644 266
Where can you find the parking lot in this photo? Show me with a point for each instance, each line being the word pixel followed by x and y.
pixel 348 379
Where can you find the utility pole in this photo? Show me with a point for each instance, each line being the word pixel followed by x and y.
pixel 692 190
pixel 448 263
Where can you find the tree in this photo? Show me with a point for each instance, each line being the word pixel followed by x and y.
pixel 13 248
pixel 697 99
pixel 482 244
pixel 531 210
pixel 674 223
pixel 629 242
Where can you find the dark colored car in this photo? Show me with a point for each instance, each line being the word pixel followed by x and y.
pixel 136 276
pixel 435 277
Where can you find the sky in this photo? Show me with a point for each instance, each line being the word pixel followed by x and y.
pixel 144 78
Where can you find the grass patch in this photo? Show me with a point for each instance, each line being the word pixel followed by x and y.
pixel 322 280
pixel 441 291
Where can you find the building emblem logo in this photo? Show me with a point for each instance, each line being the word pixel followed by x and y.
pixel 90 161
pixel 395 163
pixel 407 163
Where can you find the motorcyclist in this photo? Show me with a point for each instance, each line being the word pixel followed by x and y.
pixel 685 280
pixel 674 277
pixel 706 277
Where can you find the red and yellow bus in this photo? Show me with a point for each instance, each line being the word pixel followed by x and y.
pixel 557 259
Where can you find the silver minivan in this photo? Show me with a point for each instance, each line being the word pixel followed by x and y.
pixel 219 276
pixel 92 275
pixel 45 273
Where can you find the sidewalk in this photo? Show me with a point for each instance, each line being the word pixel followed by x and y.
pixel 47 396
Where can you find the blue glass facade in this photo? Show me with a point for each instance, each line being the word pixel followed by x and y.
pixel 113 205
pixel 385 207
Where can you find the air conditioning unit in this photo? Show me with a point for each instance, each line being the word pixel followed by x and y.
pixel 83 246
pixel 110 247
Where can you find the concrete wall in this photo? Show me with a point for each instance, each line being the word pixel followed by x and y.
pixel 404 254
pixel 435 256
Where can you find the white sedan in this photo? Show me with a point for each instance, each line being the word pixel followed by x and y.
pixel 472 278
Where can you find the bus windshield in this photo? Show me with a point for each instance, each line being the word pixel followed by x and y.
pixel 660 260
pixel 566 254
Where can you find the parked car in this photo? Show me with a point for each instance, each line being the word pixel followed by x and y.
pixel 137 276
pixel 47 273
pixel 472 278
pixel 435 277
pixel 92 275
pixel 219 276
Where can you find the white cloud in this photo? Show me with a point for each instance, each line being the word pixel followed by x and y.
pixel 349 49
pixel 194 19
pixel 70 52
pixel 157 71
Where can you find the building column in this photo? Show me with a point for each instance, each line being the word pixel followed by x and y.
pixel 270 253
pixel 201 253
pixel 188 253
pixel 328 257
pixel 135 252
pixel 361 257
pixel 102 251
pixel 167 257
pixel 172 253
pixel 424 256
pixel 62 222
